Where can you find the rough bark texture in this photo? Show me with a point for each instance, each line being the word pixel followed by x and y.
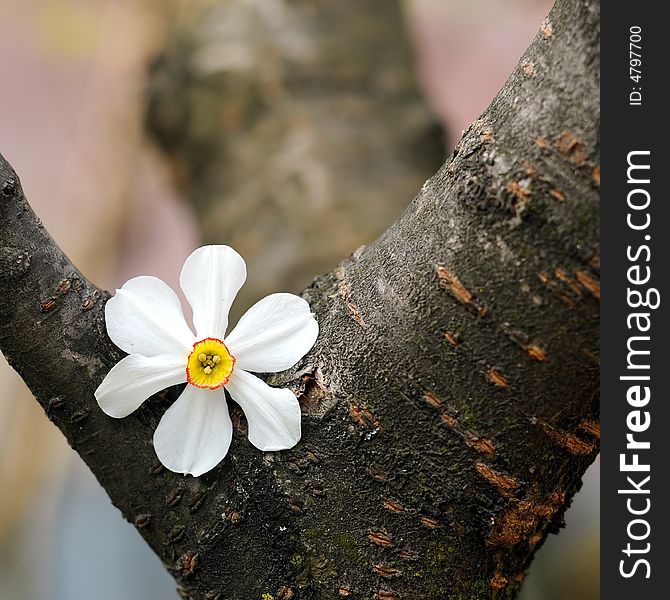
pixel 450 403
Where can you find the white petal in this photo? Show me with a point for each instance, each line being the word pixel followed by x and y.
pixel 145 317
pixel 195 432
pixel 211 278
pixel 273 414
pixel 132 380
pixel 274 334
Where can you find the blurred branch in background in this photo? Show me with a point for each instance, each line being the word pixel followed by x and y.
pixel 281 117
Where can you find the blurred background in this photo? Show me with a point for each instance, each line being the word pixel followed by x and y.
pixel 143 128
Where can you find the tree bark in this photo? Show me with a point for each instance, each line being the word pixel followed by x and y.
pixel 280 116
pixel 450 405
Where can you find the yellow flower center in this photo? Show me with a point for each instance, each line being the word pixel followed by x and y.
pixel 210 364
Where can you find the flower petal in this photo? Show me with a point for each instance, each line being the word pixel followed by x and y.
pixel 195 432
pixel 211 278
pixel 274 334
pixel 132 380
pixel 273 414
pixel 145 317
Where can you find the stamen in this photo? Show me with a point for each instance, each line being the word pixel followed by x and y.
pixel 210 364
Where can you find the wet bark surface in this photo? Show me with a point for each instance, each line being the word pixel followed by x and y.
pixel 450 405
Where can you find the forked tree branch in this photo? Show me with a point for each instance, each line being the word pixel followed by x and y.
pixel 450 404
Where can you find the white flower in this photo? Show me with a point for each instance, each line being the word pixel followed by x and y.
pixel 145 320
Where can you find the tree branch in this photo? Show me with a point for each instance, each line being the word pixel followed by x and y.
pixel 450 404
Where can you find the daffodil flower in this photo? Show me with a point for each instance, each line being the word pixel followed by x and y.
pixel 145 319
